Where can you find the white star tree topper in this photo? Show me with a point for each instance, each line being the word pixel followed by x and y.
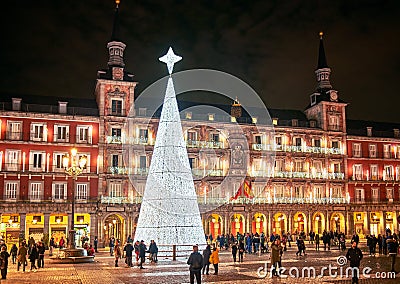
pixel 170 59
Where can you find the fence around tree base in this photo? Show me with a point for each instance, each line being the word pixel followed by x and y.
pixel 173 252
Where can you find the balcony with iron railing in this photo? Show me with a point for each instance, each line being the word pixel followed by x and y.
pixel 52 109
pixel 116 112
pixel 39 198
pixel 296 149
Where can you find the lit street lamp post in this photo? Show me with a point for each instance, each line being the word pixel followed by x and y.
pixel 73 166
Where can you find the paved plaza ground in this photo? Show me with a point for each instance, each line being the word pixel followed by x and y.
pixel 167 271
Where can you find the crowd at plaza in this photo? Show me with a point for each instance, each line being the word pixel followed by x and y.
pixel 273 246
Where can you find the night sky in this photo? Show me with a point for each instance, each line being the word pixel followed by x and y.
pixel 54 48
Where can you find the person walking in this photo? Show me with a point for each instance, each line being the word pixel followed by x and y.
pixel 95 243
pixel 4 255
pixel 234 251
pixel 206 259
pixel 21 258
pixel 241 250
pixel 128 253
pixel 136 247
pixel 51 246
pixel 13 252
pixel 354 255
pixel 392 247
pixel 276 252
pixel 196 263
pixel 317 241
pixel 41 250
pixel 111 244
pixel 142 253
pixel 33 256
pixel 117 253
pixel 214 259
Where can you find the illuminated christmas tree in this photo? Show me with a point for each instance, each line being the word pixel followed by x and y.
pixel 169 213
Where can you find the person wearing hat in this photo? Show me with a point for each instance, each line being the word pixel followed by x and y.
pixel 142 253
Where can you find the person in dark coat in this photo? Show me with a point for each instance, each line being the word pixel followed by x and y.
pixel 4 255
pixel 13 253
pixel 234 251
pixel 33 256
pixel 128 253
pixel 241 250
pixel 195 262
pixel 392 247
pixel 95 243
pixel 153 249
pixel 354 255
pixel 22 252
pixel 206 259
pixel 142 253
pixel 41 250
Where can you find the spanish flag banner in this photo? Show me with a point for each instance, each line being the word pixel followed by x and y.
pixel 244 189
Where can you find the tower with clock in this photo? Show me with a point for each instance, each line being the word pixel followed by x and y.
pixel 325 107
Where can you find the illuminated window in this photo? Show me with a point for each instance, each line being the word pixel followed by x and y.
pixel 372 150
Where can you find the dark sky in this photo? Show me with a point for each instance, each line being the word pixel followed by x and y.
pixel 56 47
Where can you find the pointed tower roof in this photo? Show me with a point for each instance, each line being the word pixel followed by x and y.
pixel 321 55
pixel 115 36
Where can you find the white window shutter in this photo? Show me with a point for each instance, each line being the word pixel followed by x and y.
pixel 67 133
pixel 89 136
pixel 65 191
pixel 43 162
pixel 55 134
pixel 53 193
pixel 45 131
pixel 88 163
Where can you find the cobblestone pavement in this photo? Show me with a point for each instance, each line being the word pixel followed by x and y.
pixel 165 271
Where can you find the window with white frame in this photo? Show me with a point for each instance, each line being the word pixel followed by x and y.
pixel 374 172
pixel 35 190
pixel 143 135
pixel 12 160
pixel 115 190
pixel 372 150
pixel 142 162
pixel 356 149
pixel 386 151
pixel 297 141
pixel 298 166
pixel 397 173
pixel 257 139
pixel 375 194
pixel 86 167
pixel 37 161
pixel 192 162
pixel 81 191
pixel 318 192
pixel 191 136
pixel 337 192
pixel 388 173
pixel 317 142
pixel 357 172
pixel 335 144
pixel 279 191
pixel 359 197
pixel 61 133
pixel 298 191
pixel 116 106
pixel 38 131
pixel 279 165
pixel 58 162
pixel 84 134
pixel 14 130
pixel 278 142
pixel 317 170
pixel 214 137
pixel 59 190
pixel 333 122
pixel 11 190
pixel 389 194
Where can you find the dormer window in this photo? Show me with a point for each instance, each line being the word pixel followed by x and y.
pixel 16 104
pixel 313 99
pixel 295 122
pixel 62 107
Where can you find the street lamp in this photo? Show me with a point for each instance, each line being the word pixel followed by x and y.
pixel 73 166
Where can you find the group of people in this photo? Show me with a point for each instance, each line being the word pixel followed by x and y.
pixel 200 264
pixel 31 251
pixel 139 248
